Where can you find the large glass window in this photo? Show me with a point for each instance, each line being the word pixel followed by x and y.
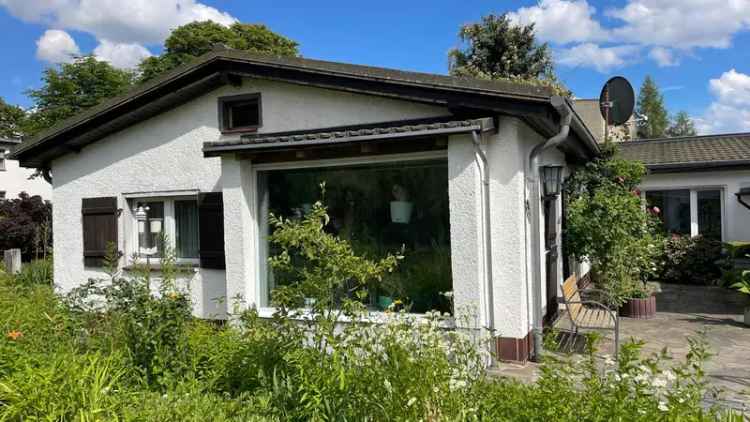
pixel 689 212
pixel 709 213
pixel 379 208
pixel 674 208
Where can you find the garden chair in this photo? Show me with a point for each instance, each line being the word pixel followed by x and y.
pixel 589 314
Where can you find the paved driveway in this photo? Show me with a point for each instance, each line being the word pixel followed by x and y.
pixel 684 311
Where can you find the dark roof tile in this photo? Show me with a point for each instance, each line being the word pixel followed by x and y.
pixel 694 151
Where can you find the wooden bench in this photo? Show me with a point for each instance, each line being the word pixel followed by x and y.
pixel 589 314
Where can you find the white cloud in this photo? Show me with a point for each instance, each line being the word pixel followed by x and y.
pixel 682 24
pixel 562 21
pixel 131 21
pixel 670 29
pixel 730 110
pixel 663 57
pixel 121 55
pixel 56 46
pixel 603 59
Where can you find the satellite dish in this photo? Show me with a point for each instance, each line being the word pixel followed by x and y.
pixel 617 101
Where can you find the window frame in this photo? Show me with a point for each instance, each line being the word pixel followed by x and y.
pixel 224 114
pixel 169 227
pixel 261 221
pixel 694 226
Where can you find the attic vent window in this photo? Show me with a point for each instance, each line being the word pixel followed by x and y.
pixel 240 113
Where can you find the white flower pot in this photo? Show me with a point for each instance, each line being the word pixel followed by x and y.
pixel 401 211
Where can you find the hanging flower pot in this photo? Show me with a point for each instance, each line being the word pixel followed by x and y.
pixel 401 211
pixel 401 208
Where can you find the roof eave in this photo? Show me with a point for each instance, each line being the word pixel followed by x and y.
pixel 723 165
pixel 453 93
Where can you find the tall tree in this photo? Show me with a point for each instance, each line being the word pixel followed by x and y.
pixel 496 48
pixel 682 125
pixel 12 120
pixel 196 38
pixel 73 87
pixel 651 105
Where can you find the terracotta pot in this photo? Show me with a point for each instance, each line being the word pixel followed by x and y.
pixel 639 308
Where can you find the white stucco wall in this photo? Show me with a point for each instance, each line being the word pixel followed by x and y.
pixel 736 218
pixel 507 153
pixel 15 179
pixel 164 154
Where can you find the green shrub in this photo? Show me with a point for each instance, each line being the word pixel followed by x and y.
pixel 62 386
pixel 36 272
pixel 691 260
pixel 152 328
pixel 609 225
pixel 114 351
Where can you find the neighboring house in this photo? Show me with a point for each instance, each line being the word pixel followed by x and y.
pixel 589 111
pixel 700 183
pixel 206 151
pixel 14 179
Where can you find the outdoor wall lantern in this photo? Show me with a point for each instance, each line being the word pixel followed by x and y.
pixel 551 180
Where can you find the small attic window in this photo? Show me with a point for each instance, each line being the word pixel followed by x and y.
pixel 239 113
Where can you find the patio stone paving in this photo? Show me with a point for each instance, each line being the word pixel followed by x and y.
pixel 684 311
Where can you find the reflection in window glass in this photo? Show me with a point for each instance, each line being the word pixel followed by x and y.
pixel 674 208
pixel 150 229
pixel 378 208
pixel 709 214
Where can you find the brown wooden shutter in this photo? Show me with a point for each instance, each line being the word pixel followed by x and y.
pixel 211 221
pixel 99 228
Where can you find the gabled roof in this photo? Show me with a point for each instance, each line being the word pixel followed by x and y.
pixel 709 152
pixel 223 66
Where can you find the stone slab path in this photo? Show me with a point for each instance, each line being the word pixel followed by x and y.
pixel 684 311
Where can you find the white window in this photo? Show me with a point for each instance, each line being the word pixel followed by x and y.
pixel 690 211
pixel 160 222
pixel 378 207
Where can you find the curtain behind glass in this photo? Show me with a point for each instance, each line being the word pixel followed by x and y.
pixel 186 221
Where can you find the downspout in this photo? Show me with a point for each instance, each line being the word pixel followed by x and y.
pixel 484 173
pixel 532 190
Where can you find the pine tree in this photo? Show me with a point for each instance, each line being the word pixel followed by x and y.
pixel 496 48
pixel 682 125
pixel 651 105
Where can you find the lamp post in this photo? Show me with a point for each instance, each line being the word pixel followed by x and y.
pixel 551 181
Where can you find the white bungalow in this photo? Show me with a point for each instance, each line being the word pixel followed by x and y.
pixel 449 167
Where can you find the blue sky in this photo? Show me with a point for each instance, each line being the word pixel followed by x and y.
pixel 695 49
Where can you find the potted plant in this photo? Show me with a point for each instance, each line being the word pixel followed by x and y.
pixel 743 286
pixel 638 302
pixel 401 208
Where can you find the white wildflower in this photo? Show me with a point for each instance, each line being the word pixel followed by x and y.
pixel 669 375
pixel 663 406
pixel 659 382
pixel 388 386
pixel 411 401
